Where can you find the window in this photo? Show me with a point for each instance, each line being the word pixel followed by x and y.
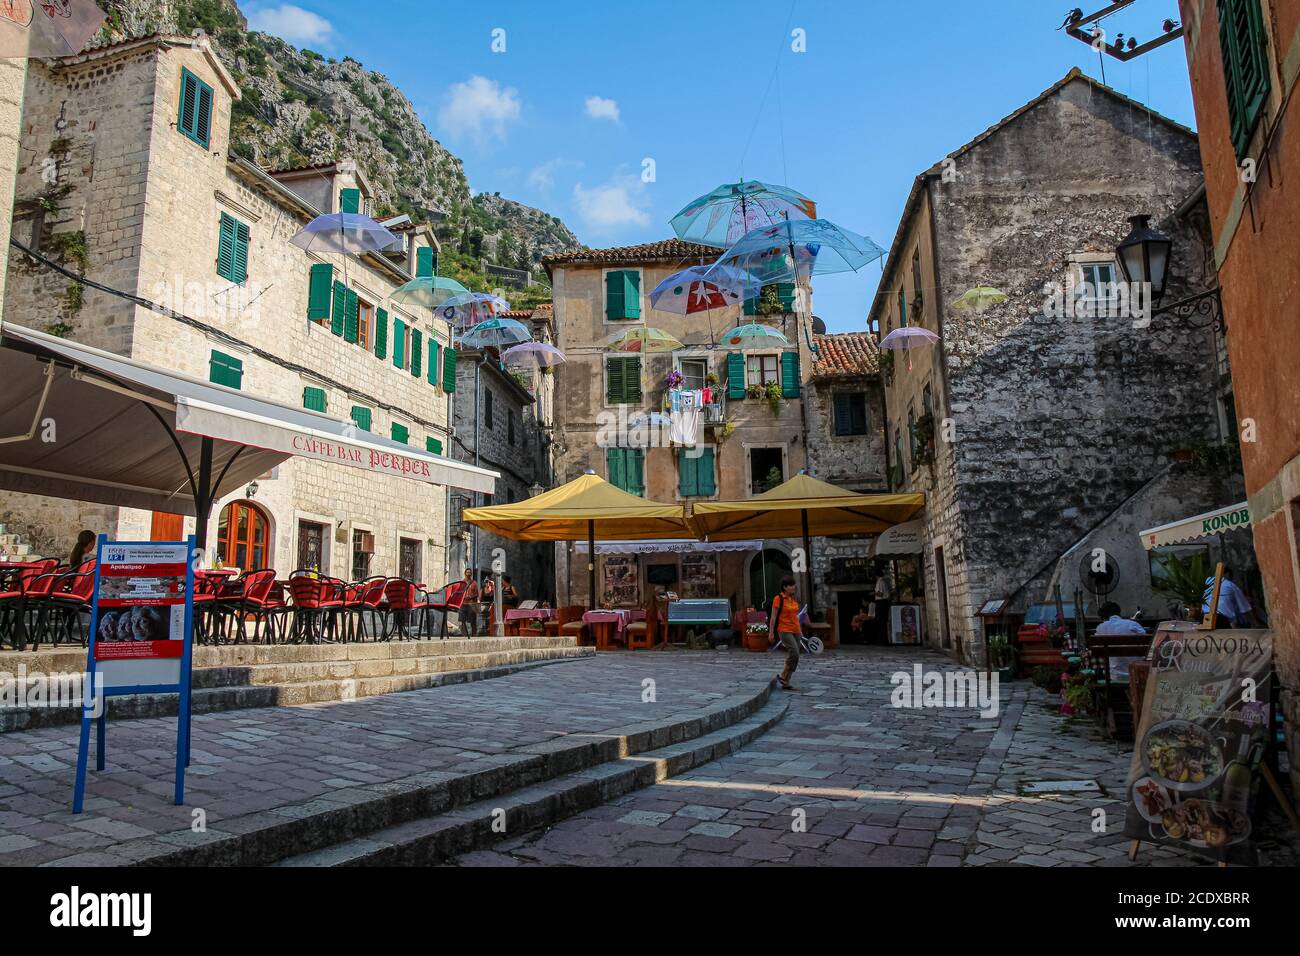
pixel 622 295
pixel 510 426
pixel 695 473
pixel 400 432
pixel 225 370
pixel 232 250
pixel 917 293
pixel 362 549
pixel 361 416
pixel 350 200
pixel 694 371
pixel 242 536
pixel 408 558
pixel 194 117
pixel 313 398
pixel 1245 68
pixel 626 469
pixel 487 408
pixel 365 316
pixel 780 294
pixel 320 289
pixel 927 400
pixel 850 416
pixel 433 445
pixel 1096 283
pixel 761 369
pixel 623 380
pixel 766 469
pixel 311 546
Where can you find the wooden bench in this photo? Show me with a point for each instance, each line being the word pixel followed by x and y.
pixel 1110 689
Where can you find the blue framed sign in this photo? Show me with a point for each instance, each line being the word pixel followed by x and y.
pixel 141 641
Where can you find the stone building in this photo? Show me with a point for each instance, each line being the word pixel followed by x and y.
pixel 1243 72
pixel 745 443
pixel 125 173
pixel 846 446
pixel 512 436
pixel 1040 429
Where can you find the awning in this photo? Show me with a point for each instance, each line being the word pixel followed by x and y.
pixel 1232 518
pixel 665 546
pixel 90 425
pixel 902 538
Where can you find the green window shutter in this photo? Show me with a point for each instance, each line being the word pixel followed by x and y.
pixel 433 360
pixel 632 294
pixel 614 296
pixel 751 305
pixel 241 253
pixel 635 471
pixel 632 380
pixel 613 381
pixel 735 375
pixel 785 292
pixel 318 291
pixel 361 416
pixel 416 352
pixel 433 445
pixel 350 200
pixel 194 115
pixel 843 414
pixel 399 343
pixel 615 467
pixel 225 370
pixel 400 433
pixel 790 374
pixel 352 316
pixel 449 369
pixel 704 473
pixel 902 308
pixel 424 261
pixel 340 307
pixel 688 485
pixel 313 398
pixel 226 247
pixel 1243 43
pixel 381 333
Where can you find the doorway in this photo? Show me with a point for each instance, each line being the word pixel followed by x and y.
pixel 242 536
pixel 849 605
pixel 941 586
pixel 166 527
pixel 765 572
pixel 311 546
pixel 408 559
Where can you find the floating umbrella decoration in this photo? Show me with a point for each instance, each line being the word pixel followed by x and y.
pixel 467 309
pixel 643 339
pixel 907 338
pixel 724 215
pixel 495 334
pixel 427 292
pixel 529 356
pixel 754 335
pixel 346 233
pixel 688 292
pixel 797 249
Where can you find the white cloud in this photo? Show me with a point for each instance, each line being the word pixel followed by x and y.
pixel 600 108
pixel 542 178
pixel 621 201
pixel 294 24
pixel 479 107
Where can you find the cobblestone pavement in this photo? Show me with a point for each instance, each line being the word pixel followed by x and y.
pixel 250 760
pixel 876 785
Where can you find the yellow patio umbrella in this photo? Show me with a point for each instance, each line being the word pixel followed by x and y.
pixel 803 506
pixel 644 339
pixel 587 507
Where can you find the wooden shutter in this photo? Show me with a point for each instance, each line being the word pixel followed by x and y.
pixel 735 375
pixel 424 261
pixel 194 114
pixel 614 466
pixel 352 315
pixel 381 333
pixel 858 407
pixel 225 370
pixel 399 343
pixel 226 247
pixel 433 360
pixel 790 374
pixel 203 131
pixel 433 445
pixel 340 307
pixel 902 308
pixel 319 283
pixel 241 253
pixel 704 473
pixel 751 305
pixel 632 380
pixel 843 414
pixel 361 416
pixel 449 369
pixel 313 398
pixel 613 381
pixel 400 433
pixel 687 483
pixel 631 294
pixel 487 408
pixel 350 200
pixel 614 296
pixel 635 468
pixel 417 349
pixel 1243 43
pixel 785 292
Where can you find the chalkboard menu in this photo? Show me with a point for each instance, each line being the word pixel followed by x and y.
pixel 1201 737
pixel 851 571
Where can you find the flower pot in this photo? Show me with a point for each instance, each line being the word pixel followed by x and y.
pixel 755 642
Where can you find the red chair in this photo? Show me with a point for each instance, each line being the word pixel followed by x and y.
pixel 360 598
pixel 404 602
pixel 67 600
pixel 13 607
pixel 248 596
pixel 450 598
pixel 317 602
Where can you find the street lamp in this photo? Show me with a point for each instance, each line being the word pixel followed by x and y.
pixel 535 489
pixel 1144 256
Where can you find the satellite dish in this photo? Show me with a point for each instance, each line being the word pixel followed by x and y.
pixel 1102 582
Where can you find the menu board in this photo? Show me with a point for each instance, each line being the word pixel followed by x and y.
pixel 1201 737
pixel 141 602
pixel 699 576
pixel 622 581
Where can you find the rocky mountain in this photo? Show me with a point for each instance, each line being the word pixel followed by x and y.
pixel 300 107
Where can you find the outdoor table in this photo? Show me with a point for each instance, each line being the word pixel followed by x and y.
pixel 609 623
pixel 526 614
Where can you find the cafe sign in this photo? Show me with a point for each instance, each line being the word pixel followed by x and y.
pixel 1232 518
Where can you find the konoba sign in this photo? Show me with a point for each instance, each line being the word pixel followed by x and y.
pixel 372 459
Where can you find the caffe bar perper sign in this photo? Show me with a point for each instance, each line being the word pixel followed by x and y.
pixel 1202 734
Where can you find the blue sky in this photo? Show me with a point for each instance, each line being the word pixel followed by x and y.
pixel 585 92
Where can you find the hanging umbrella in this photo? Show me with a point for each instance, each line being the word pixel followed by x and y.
pixel 49 28
pixel 721 217
pixel 529 356
pixel 907 338
pixel 643 339
pixel 686 292
pixel 797 249
pixel 496 334
pixel 755 335
pixel 587 507
pixel 467 309
pixel 427 292
pixel 979 298
pixel 348 233
pixel 803 506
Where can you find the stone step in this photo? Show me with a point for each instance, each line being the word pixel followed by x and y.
pixel 435 839
pixel 266 837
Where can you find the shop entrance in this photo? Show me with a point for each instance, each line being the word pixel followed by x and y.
pixel 765 573
pixel 850 605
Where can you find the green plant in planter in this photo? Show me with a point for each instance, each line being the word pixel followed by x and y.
pixel 772 394
pixel 1184 578
pixel 773 479
pixel 726 430
pixel 1078 693
pixel 754 390
pixel 999 652
pixel 712 380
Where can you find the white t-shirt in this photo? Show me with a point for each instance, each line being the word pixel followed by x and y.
pixel 882 589
pixel 1232 602
pixel 1119 625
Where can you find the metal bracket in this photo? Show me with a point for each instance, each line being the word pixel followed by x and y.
pixel 40 408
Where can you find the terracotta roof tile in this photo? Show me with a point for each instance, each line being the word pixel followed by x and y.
pixel 667 250
pixel 846 355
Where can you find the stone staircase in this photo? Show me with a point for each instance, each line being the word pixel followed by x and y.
pixel 232 677
pixel 14 546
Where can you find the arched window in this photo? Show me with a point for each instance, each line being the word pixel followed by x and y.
pixel 243 533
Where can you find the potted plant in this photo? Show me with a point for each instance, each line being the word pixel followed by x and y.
pixel 1184 578
pixel 756 637
pixel 772 394
pixel 725 430
pixel 1002 657
pixel 712 380
pixel 754 390
pixel 674 379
